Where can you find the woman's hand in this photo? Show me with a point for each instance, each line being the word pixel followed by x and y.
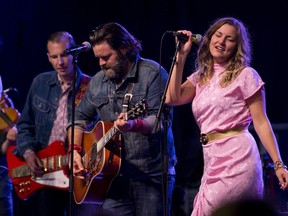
pixel 282 175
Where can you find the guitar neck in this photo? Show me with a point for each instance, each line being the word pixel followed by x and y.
pixel 50 164
pixel 105 139
pixel 136 111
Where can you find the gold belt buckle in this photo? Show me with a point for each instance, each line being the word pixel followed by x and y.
pixel 204 139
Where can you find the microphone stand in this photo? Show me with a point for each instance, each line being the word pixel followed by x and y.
pixel 158 118
pixel 71 177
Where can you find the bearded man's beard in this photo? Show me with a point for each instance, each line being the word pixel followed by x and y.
pixel 117 71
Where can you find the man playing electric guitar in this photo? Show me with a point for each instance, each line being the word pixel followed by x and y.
pixel 43 122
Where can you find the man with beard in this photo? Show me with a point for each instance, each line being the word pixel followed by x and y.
pixel 125 80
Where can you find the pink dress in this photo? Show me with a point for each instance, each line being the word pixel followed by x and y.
pixel 232 166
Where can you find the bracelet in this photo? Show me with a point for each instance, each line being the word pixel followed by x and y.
pixel 75 147
pixel 279 165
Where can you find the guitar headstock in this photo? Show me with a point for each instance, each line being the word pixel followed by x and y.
pixel 139 109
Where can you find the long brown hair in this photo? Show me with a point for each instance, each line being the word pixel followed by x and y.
pixel 240 59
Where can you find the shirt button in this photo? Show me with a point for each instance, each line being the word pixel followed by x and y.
pixel 116 113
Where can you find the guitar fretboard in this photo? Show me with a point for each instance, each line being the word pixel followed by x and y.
pixel 105 139
pixel 50 164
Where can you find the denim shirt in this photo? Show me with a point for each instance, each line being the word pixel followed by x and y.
pixel 140 153
pixel 39 112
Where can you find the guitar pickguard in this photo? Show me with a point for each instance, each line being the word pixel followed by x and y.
pixel 56 179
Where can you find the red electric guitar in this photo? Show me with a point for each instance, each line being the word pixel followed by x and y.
pixel 55 162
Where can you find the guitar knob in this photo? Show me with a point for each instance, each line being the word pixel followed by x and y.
pixel 27 183
pixel 21 191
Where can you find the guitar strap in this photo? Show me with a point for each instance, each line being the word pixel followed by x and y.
pixel 127 98
pixel 82 88
pixel 128 95
pixel 125 108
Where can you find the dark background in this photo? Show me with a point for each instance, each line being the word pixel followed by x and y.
pixel 26 25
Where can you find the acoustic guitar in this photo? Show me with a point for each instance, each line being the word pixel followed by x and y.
pixel 102 159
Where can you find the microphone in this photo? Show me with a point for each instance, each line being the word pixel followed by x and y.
pixel 84 47
pixel 197 38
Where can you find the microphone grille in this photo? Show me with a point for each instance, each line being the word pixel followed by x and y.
pixel 87 45
pixel 197 38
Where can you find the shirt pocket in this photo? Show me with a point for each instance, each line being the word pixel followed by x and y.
pixel 43 111
pixel 103 108
pixel 101 101
pixel 136 98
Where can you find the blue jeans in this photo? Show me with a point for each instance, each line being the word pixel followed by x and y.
pixel 6 199
pixel 142 197
pixel 6 206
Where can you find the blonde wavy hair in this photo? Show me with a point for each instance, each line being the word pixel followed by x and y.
pixel 240 59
